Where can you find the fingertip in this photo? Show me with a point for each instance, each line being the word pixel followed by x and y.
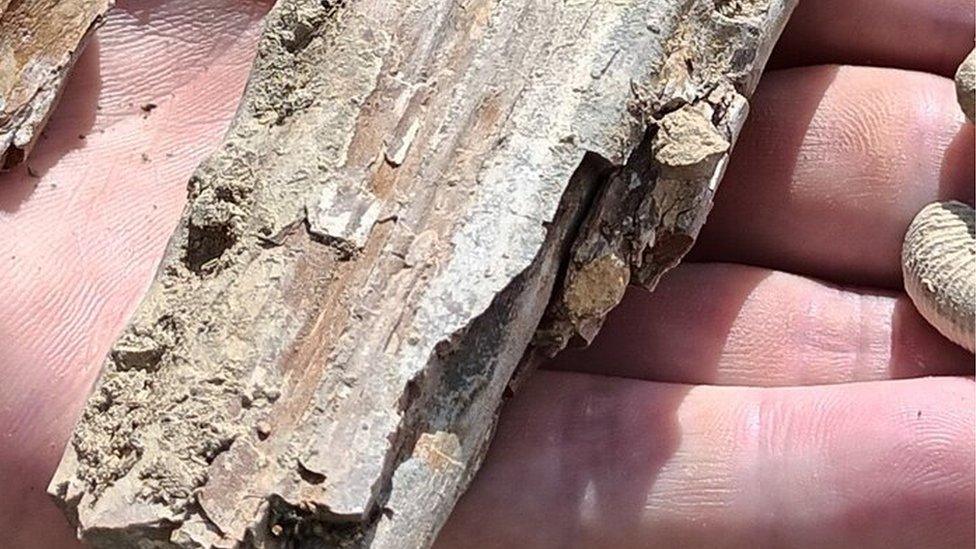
pixel 882 464
pixel 931 36
pixel 959 165
pixel 840 160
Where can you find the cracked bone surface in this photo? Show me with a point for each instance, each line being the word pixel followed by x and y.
pixel 408 188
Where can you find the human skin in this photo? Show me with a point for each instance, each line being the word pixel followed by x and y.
pixel 777 390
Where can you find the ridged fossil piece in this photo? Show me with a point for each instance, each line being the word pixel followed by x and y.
pixel 939 264
pixel 966 85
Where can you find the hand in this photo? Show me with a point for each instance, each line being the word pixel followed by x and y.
pixel 640 445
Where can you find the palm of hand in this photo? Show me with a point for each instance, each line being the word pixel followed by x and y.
pixel 718 410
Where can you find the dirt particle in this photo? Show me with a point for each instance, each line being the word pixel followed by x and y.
pixel 597 287
pixel 263 429
pixel 688 138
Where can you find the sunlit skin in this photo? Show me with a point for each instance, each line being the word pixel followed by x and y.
pixel 778 390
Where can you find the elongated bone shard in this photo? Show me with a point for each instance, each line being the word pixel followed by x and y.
pixel 361 266
pixel 40 40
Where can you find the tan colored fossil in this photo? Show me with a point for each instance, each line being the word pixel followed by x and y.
pixel 966 85
pixel 939 264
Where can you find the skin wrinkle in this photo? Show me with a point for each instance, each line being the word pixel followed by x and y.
pixel 148 29
pixel 864 337
pixel 754 487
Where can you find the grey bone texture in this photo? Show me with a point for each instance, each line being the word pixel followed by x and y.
pixel 295 378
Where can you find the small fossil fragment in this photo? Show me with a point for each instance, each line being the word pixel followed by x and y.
pixel 939 266
pixel 966 85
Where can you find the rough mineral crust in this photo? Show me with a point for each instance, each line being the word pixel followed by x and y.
pixel 361 266
pixel 39 42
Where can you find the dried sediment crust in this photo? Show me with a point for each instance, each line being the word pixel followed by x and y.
pixel 39 42
pixel 361 265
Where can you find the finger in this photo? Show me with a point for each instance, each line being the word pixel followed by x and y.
pixel 79 243
pixel 593 461
pixel 831 168
pixel 931 36
pixel 737 325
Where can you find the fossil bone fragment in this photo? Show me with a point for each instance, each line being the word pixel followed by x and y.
pixel 40 40
pixel 966 85
pixel 939 266
pixel 362 265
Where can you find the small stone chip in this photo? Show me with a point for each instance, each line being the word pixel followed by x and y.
pixel 263 429
pixel 137 351
pixel 687 137
pixel 344 211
